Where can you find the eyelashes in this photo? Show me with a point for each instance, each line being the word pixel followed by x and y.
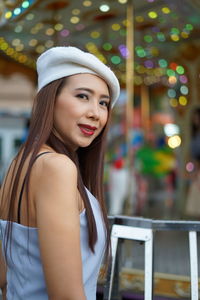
pixel 86 97
pixel 83 96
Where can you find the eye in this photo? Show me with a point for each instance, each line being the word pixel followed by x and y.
pixel 104 103
pixel 82 96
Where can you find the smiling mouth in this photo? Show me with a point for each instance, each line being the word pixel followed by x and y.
pixel 87 129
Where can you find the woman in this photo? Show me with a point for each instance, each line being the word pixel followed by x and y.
pixel 57 232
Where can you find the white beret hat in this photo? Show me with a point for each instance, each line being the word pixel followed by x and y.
pixel 59 62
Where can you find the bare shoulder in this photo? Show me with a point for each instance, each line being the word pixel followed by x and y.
pixel 54 164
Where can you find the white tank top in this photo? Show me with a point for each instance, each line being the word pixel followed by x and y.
pixel 25 278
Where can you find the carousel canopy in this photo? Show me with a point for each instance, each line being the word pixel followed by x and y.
pixel 166 32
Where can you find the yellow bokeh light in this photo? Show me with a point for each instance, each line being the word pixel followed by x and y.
pixel 8 14
pixel 50 31
pixel 16 42
pixel 74 20
pixel 10 51
pixel 116 27
pixel 33 42
pixel 152 14
pixel 166 10
pixel 40 49
pixel 91 47
pixel 19 47
pixel 87 3
pixel 76 11
pixel 172 80
pixel 182 100
pixel 175 37
pixel 58 27
pixel 173 102
pixel 4 46
pixel 184 35
pixel 49 44
pixel 139 19
pixel 126 23
pixel 22 58
pixel 174 141
pixel 95 34
pixel 122 1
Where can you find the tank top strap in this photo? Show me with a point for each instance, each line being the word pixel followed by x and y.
pixel 22 190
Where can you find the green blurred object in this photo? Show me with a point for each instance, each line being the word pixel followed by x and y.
pixel 156 162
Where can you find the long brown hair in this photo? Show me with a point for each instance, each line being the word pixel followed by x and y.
pixel 89 160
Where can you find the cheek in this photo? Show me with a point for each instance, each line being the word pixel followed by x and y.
pixel 104 119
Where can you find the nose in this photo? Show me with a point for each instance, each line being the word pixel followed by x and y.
pixel 93 110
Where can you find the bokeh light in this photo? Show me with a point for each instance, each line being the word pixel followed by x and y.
pixel 174 141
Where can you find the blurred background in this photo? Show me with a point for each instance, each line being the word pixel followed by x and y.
pixel 154 48
pixel 153 147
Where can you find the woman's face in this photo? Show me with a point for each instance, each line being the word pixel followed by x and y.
pixel 81 110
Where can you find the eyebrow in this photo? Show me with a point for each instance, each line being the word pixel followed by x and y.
pixel 91 91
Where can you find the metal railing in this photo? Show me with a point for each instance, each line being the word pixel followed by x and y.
pixel 141 229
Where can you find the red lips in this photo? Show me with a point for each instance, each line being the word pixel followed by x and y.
pixel 87 129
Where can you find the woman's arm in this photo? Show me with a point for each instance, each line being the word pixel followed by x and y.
pixel 2 274
pixel 59 226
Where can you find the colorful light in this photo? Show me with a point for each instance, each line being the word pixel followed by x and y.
pixel 115 27
pixel 175 37
pixel 180 70
pixel 171 93
pixel 139 19
pixel 174 141
pixel 161 37
pixel 148 38
pixel 171 129
pixel 25 4
pixel 50 31
pixel 189 166
pixel 8 15
pixel 173 102
pixel 189 27
pixel 123 50
pixel 74 20
pixel 170 72
pixel 95 34
pixel 115 59
pixel 64 32
pixel 182 100
pixel 184 90
pixel 140 51
pixel 148 64
pixel 172 80
pixel 162 63
pixel 122 1
pixel 76 11
pixel 17 11
pixel 152 15
pixel 104 7
pixel 183 79
pixel 173 66
pixel 58 27
pixel 107 46
pixel 166 10
pixel 40 49
pixel 87 3
pixel 33 42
